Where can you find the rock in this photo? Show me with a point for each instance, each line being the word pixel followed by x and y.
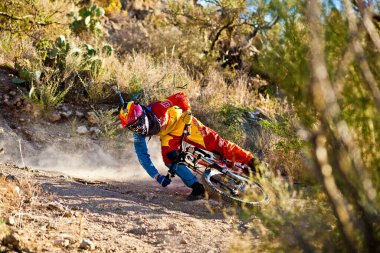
pixel 61 243
pixel 63 107
pixel 95 130
pixel 47 247
pixel 173 226
pixel 7 102
pixel 10 221
pixel 68 214
pixel 150 196
pixel 13 241
pixel 138 231
pixel 1 151
pixel 28 108
pixel 183 241
pixel 87 245
pixel 54 117
pixel 66 114
pixel 82 130
pixel 17 190
pixel 71 238
pixel 92 118
pixel 55 206
pixel 12 93
pixel 11 178
pixel 79 114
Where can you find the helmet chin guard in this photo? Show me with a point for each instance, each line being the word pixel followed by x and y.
pixel 130 113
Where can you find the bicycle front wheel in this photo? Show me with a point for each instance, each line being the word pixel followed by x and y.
pixel 238 190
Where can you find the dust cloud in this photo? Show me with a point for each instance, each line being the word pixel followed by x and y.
pixel 91 163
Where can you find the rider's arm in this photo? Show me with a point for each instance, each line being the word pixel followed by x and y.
pixel 141 149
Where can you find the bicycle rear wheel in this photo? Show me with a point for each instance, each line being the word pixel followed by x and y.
pixel 238 190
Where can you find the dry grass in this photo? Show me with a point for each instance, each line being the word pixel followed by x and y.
pixel 291 222
pixel 29 208
pixel 9 197
pixel 158 79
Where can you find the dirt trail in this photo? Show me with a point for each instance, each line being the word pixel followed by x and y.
pixel 124 216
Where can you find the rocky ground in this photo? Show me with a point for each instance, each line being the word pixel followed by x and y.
pixel 74 190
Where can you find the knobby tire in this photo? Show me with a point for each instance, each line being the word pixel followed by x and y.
pixel 210 181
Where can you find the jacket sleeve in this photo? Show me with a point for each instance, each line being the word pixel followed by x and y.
pixel 141 149
pixel 180 99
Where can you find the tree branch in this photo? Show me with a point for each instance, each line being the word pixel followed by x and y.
pixel 367 20
pixel 360 56
pixel 218 35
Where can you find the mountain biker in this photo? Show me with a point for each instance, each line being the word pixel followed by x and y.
pixel 166 119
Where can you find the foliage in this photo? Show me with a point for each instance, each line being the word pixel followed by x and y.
pixel 48 94
pixel 333 90
pixel 110 6
pixel 335 113
pixel 89 53
pixel 87 19
pixel 231 119
pixel 284 129
pixel 107 123
pixel 214 31
pixel 26 22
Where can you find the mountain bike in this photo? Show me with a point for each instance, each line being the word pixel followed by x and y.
pixel 232 182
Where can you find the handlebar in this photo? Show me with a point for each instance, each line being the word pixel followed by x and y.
pixel 117 91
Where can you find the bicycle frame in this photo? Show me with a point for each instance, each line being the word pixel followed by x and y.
pixel 196 158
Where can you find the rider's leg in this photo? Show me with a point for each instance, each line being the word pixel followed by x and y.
pixel 206 138
pixel 190 180
pixel 169 149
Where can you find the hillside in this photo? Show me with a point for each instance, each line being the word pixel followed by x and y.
pixel 309 68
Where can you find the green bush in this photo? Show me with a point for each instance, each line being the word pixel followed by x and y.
pixel 87 19
pixel 48 94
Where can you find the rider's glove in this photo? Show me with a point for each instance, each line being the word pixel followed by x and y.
pixel 187 118
pixel 163 180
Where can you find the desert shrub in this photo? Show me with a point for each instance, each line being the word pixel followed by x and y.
pixel 48 94
pixel 67 66
pixel 87 19
pixel 108 123
pixel 25 23
pixel 293 220
pixel 232 119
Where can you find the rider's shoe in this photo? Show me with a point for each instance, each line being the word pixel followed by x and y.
pixel 197 193
pixel 253 165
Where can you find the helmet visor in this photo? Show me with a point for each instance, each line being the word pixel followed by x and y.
pixel 140 125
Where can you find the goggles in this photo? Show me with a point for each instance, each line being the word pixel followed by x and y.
pixel 140 125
